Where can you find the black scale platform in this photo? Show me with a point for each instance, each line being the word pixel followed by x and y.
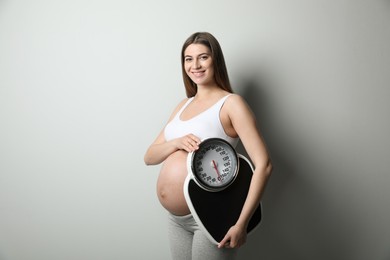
pixel 218 211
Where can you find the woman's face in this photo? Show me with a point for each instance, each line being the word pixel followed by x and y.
pixel 198 64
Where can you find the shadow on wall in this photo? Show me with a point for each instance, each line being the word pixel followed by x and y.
pixel 297 223
pixel 264 240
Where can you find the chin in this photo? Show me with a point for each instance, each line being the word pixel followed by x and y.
pixel 201 81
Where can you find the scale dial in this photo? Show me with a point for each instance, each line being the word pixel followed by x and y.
pixel 214 165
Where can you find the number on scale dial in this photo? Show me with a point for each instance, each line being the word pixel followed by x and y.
pixel 214 164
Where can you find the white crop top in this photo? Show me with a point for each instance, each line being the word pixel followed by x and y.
pixel 204 125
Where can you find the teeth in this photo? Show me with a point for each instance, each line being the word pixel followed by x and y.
pixel 198 73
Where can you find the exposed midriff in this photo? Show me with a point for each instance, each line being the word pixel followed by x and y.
pixel 170 183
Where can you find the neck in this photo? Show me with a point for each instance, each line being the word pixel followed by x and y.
pixel 207 91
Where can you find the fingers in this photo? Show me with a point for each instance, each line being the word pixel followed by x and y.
pixel 233 239
pixel 224 243
pixel 228 244
pixel 190 143
pixel 194 139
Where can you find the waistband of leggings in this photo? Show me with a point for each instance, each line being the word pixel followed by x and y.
pixel 181 219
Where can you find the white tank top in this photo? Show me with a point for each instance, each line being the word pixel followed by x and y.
pixel 204 125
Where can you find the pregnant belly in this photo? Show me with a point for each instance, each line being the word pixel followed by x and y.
pixel 170 184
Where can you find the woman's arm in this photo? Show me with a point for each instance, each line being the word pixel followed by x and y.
pixel 160 149
pixel 244 123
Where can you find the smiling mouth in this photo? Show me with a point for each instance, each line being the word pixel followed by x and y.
pixel 198 73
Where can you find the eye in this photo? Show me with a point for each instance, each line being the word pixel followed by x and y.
pixel 187 59
pixel 204 57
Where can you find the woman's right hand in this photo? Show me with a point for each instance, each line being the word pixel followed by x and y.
pixel 160 149
pixel 188 143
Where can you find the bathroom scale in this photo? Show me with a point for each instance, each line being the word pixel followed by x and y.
pixel 216 188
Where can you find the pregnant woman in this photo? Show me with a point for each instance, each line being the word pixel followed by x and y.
pixel 210 110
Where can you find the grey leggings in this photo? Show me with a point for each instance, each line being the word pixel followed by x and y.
pixel 188 242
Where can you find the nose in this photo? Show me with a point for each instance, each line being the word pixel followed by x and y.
pixel 197 64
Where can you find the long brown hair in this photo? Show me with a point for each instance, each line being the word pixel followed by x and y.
pixel 220 71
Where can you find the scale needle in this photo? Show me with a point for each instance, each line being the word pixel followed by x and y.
pixel 216 169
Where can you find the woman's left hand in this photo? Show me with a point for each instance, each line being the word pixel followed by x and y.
pixel 234 238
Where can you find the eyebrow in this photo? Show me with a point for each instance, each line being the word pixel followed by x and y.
pixel 204 53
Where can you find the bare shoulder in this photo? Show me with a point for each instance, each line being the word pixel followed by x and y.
pixel 236 116
pixel 236 103
pixel 181 103
pixel 178 107
pixel 235 99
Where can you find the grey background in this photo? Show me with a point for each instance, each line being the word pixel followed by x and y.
pixel 85 87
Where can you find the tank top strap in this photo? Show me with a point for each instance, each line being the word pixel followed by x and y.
pixel 225 97
pixel 221 102
pixel 183 107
